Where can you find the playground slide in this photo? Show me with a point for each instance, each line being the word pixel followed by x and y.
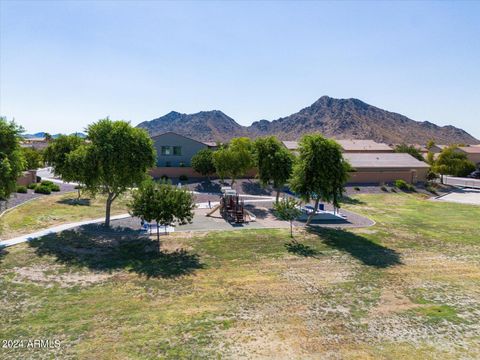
pixel 215 208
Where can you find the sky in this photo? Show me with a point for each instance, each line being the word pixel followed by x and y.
pixel 65 64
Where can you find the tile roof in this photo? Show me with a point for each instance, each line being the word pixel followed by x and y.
pixel 383 160
pixel 363 145
pixel 470 149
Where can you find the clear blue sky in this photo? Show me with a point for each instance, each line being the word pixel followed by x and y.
pixel 65 64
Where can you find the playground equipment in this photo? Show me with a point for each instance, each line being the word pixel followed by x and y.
pixel 231 207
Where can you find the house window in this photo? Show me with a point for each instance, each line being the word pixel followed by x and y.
pixel 166 150
pixel 177 150
pixel 168 164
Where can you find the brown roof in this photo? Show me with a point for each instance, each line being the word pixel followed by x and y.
pixel 470 149
pixel 383 160
pixel 349 145
pixel 363 145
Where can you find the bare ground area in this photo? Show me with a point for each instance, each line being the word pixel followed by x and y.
pixel 405 288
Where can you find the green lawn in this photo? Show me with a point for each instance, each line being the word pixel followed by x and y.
pixel 53 210
pixel 406 288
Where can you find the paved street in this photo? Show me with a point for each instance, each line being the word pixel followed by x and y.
pixel 462 196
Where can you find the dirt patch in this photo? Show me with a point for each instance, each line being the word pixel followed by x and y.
pixel 51 275
pixel 392 301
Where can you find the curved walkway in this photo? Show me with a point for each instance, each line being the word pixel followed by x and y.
pixel 55 229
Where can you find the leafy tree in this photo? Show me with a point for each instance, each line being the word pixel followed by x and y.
pixel 222 160
pixel 56 156
pixel 202 162
pixel 162 203
pixel 12 161
pixel 287 209
pixel 234 159
pixel 320 171
pixel 453 162
pixel 430 144
pixel 409 149
pixel 430 158
pixel 274 162
pixel 119 157
pixel 33 158
pixel 48 137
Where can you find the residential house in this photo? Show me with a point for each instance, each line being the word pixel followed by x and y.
pixel 174 154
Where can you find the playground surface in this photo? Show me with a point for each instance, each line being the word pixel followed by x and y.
pixel 201 222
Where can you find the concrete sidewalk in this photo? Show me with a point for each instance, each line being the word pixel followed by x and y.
pixel 55 229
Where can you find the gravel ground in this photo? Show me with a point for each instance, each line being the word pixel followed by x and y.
pixel 17 198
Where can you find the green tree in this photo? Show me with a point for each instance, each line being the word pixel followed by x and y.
pixel 453 162
pixel 48 137
pixel 12 161
pixel 33 158
pixel 222 160
pixel 287 209
pixel 162 203
pixel 202 162
pixel 235 159
pixel 56 156
pixel 409 149
pixel 320 171
pixel 430 144
pixel 274 162
pixel 119 157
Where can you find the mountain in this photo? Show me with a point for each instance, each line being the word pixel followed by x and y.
pixel 336 118
pixel 42 135
pixel 204 125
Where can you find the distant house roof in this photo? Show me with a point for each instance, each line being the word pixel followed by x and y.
pixel 349 145
pixel 383 160
pixel 363 145
pixel 470 149
pixel 290 145
pixel 208 143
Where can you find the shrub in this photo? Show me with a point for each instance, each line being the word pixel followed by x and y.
pixel 22 189
pixel 54 187
pixel 77 187
pixel 164 177
pixel 403 185
pixel 431 175
pixel 183 177
pixel 431 189
pixel 42 189
pixel 47 183
pixel 384 188
pixel 356 188
pixel 32 186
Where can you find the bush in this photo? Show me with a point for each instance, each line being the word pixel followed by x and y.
pixel 164 177
pixel 31 186
pixel 42 189
pixel 183 178
pixel 356 188
pixel 54 187
pixel 77 187
pixel 431 176
pixel 22 189
pixel 403 185
pixel 431 189
pixel 46 183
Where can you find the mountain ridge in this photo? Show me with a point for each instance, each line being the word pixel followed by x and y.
pixel 336 118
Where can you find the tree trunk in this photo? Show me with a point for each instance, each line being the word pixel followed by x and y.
pixel 291 229
pixel 158 237
pixel 278 195
pixel 107 210
pixel 310 217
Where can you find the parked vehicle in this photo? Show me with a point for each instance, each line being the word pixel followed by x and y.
pixel 474 175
